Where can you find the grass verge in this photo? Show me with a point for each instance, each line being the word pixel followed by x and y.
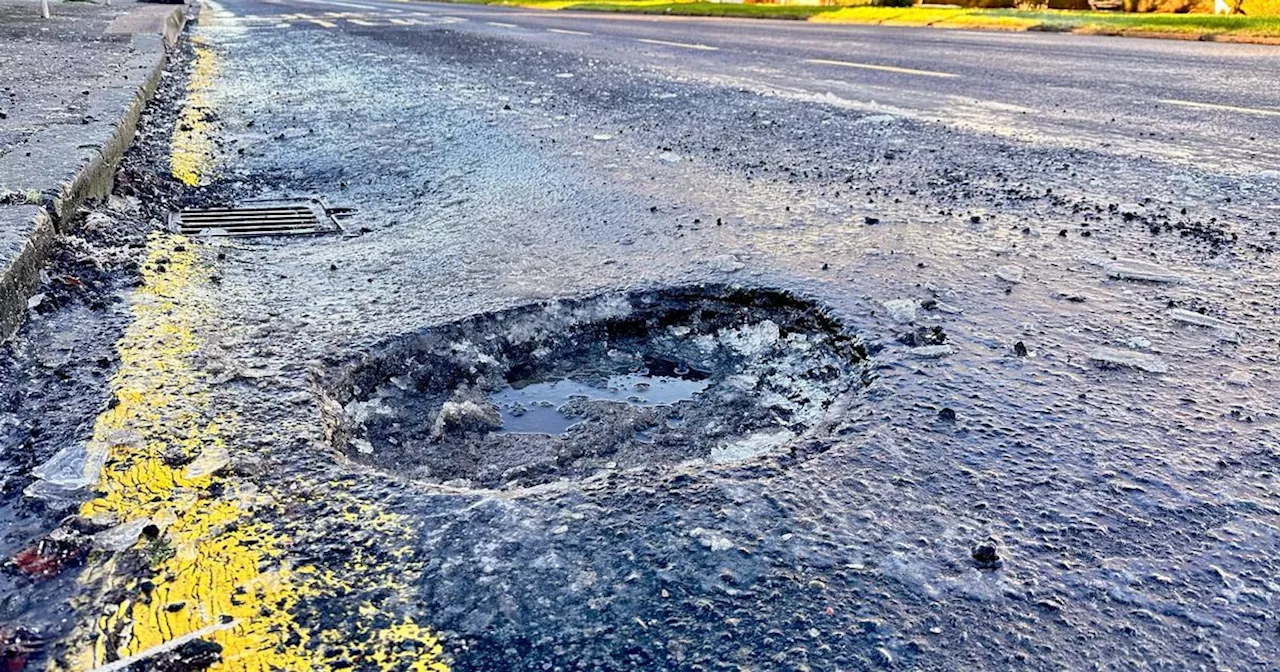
pixel 1186 26
pixel 797 12
pixel 1076 22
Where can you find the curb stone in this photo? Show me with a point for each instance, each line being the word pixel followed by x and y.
pixel 67 165
pixel 26 238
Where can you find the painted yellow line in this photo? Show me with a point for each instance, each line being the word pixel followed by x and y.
pixel 190 145
pixel 1260 111
pixel 214 560
pixel 322 23
pixel 211 560
pixel 567 32
pixel 682 45
pixel 502 25
pixel 882 68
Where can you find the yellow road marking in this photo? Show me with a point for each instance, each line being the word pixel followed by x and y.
pixel 882 68
pixel 682 45
pixel 210 556
pixel 502 25
pixel 1263 112
pixel 213 561
pixel 191 148
pixel 567 32
pixel 212 566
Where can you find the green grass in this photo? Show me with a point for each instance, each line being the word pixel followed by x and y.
pixel 1081 22
pixel 798 12
pixel 986 19
pixel 1159 23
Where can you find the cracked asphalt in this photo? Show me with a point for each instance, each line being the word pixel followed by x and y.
pixel 1057 252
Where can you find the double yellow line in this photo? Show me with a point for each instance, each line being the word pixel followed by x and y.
pixel 214 560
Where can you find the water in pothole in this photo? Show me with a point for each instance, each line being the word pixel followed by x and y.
pixel 540 408
pixel 565 389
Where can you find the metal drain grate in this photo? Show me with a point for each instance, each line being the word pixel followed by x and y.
pixel 299 217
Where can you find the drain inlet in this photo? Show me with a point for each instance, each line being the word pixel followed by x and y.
pixel 295 217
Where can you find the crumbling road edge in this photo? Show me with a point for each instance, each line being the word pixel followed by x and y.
pixel 65 166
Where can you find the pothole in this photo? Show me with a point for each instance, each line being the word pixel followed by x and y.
pixel 562 390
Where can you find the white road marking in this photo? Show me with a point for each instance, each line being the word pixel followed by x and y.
pixel 682 45
pixel 502 25
pixel 284 25
pixel 335 3
pixel 882 68
pixel 322 23
pixel 404 22
pixel 1223 108
pixel 567 32
pixel 360 22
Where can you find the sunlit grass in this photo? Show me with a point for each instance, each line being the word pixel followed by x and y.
pixel 703 8
pixel 1081 22
pixel 941 17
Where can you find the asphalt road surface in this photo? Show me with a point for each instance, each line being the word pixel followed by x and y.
pixel 947 350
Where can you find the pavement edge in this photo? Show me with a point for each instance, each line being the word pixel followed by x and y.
pixel 67 166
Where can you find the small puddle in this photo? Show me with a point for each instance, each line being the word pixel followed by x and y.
pixel 540 408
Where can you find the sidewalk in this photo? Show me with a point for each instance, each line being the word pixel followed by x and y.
pixel 71 89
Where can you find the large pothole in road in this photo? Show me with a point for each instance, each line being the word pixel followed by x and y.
pixel 568 388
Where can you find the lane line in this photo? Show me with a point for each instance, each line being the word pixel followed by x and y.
pixel 322 23
pixel 404 22
pixel 367 8
pixel 1222 108
pixel 682 45
pixel 882 68
pixel 567 32
pixel 502 25
pixel 360 22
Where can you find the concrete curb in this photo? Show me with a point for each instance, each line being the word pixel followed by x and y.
pixel 26 238
pixel 68 164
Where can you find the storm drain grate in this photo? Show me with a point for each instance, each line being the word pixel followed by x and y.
pixel 299 217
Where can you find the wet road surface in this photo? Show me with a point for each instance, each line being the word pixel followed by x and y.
pixel 1184 101
pixel 1060 455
